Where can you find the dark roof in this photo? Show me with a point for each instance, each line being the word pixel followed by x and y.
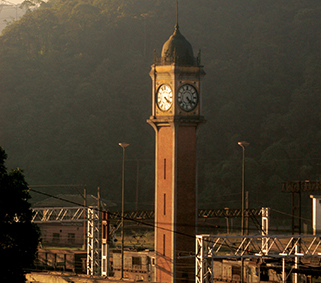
pixel 177 49
pixel 68 200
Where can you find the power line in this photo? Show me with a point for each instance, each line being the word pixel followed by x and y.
pixel 132 219
pixel 125 218
pixel 137 221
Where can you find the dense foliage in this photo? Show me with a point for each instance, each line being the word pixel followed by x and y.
pixel 18 236
pixel 74 82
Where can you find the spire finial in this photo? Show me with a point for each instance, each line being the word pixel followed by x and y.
pixel 176 26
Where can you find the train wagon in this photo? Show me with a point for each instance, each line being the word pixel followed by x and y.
pixel 138 265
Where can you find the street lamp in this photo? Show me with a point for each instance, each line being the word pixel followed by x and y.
pixel 243 144
pixel 123 145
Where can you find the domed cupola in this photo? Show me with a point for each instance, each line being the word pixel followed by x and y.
pixel 177 50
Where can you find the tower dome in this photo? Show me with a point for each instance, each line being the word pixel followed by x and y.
pixel 177 50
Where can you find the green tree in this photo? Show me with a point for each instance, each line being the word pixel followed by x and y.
pixel 18 235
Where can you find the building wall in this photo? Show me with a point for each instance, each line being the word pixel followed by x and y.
pixel 175 202
pixel 186 203
pixel 62 234
pixel 164 237
pixel 61 260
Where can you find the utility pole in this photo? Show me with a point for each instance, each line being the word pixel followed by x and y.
pixel 123 145
pixel 85 217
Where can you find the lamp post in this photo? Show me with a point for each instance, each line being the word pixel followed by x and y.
pixel 123 145
pixel 243 144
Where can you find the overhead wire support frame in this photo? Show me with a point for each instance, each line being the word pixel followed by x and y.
pixel 296 188
pixel 210 248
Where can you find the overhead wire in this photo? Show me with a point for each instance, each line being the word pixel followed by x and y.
pixel 137 221
pixel 141 221
pixel 157 225
pixel 152 225
pixel 125 218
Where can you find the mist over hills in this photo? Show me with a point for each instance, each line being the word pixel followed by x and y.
pixel 74 83
pixel 10 13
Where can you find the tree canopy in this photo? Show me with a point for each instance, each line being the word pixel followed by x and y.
pixel 74 83
pixel 18 236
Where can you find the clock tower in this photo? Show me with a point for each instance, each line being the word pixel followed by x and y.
pixel 176 115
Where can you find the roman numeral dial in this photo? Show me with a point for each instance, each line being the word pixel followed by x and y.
pixel 187 97
pixel 164 97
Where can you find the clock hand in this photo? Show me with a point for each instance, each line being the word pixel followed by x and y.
pixel 189 100
pixel 167 99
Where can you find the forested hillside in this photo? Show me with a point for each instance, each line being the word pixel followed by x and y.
pixel 74 83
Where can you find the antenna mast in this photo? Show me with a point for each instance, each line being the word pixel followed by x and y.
pixel 177 14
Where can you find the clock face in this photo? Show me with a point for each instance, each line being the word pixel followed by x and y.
pixel 187 97
pixel 164 97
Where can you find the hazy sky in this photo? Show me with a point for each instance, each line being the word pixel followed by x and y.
pixel 14 1
pixel 9 13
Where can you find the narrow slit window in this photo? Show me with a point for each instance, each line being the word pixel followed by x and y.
pixel 164 168
pixel 164 204
pixel 163 244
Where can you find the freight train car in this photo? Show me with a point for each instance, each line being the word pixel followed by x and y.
pixel 138 265
pixel 230 271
